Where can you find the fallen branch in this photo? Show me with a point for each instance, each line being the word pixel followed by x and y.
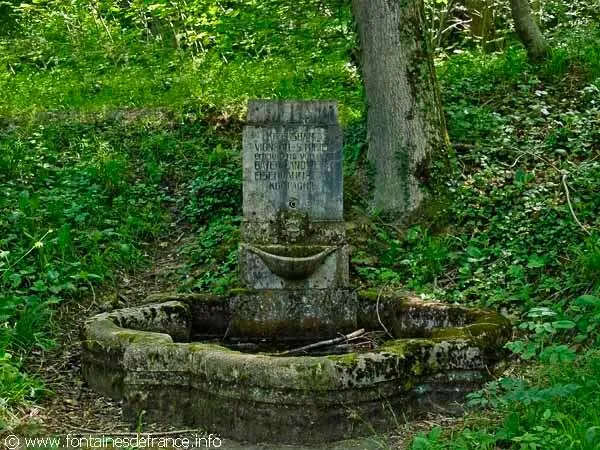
pixel 326 343
pixel 564 180
pixel 377 310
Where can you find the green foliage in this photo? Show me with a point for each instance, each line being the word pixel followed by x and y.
pixel 555 407
pixel 203 52
pixel 521 235
pixel 15 387
pixel 521 135
pixel 454 26
pixel 544 330
pixel 90 165
pixel 585 312
pixel 214 206
pixel 82 199
pixel 217 189
pixel 214 256
pixel 453 23
pixel 120 122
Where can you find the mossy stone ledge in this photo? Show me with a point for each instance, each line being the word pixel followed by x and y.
pixel 150 357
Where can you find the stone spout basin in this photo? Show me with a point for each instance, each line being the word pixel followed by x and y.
pixel 169 359
pixel 295 262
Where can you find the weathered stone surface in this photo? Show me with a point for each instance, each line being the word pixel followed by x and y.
pixel 293 183
pixel 172 318
pixel 293 234
pixel 294 263
pixel 306 399
pixel 283 267
pixel 408 316
pixel 105 340
pixel 292 160
pixel 294 314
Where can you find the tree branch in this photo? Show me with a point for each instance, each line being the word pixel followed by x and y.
pixel 326 343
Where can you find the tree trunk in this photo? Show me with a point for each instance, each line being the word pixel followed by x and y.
pixel 528 31
pixel 482 20
pixel 405 123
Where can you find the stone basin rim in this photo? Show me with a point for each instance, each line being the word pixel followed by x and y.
pixel 292 267
pixel 482 334
pixel 143 345
pixel 253 397
pixel 313 251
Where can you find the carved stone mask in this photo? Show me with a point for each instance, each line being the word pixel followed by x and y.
pixel 293 225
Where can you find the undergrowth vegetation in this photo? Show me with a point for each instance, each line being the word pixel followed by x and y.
pixel 120 125
pixel 554 407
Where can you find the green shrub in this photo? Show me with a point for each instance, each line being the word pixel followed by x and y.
pixel 217 188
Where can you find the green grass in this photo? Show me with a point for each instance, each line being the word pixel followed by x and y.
pixel 66 61
pixel 177 84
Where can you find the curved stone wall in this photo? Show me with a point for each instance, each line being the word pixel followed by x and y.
pixel 141 355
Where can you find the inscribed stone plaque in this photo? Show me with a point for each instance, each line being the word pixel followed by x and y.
pixel 293 160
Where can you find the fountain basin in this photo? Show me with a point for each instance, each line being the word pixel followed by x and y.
pixel 292 262
pixel 294 266
pixel 162 358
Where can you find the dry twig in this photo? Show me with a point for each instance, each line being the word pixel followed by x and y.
pixel 326 343
pixel 564 181
pixel 377 310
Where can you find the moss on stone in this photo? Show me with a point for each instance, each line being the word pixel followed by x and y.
pixel 450 333
pixel 315 376
pixel 203 347
pixel 406 347
pixel 477 329
pixel 487 317
pixel 489 334
pixel 124 361
pixel 396 347
pixel 185 298
pixel 370 294
pixel 93 346
pixel 345 361
pixel 143 337
pixel 416 368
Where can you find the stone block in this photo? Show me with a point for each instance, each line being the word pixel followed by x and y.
pixel 294 315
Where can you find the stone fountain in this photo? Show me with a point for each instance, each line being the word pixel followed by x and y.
pixel 242 365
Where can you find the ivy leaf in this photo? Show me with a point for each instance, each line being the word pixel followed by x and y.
pixel 536 262
pixel 587 300
pixel 564 324
pixel 39 286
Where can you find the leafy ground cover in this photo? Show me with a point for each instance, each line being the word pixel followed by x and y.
pixel 120 136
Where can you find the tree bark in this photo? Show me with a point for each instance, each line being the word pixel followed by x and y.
pixel 528 31
pixel 405 123
pixel 482 20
